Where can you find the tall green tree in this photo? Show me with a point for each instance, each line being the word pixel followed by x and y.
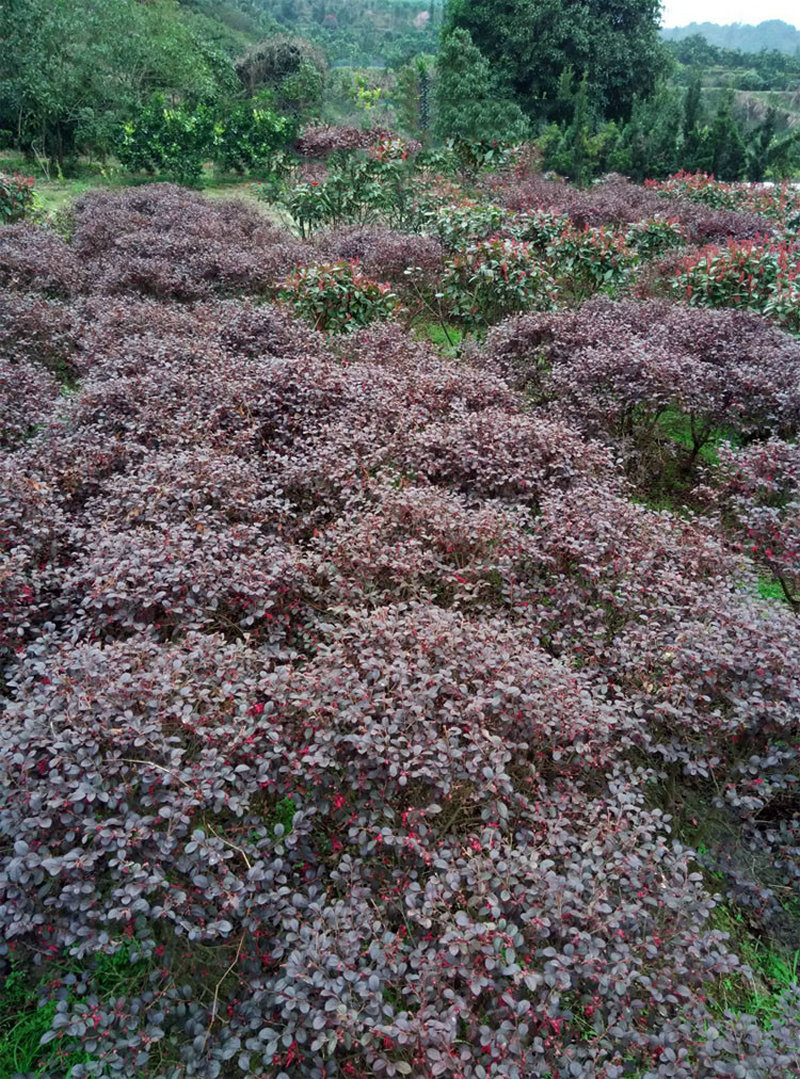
pixel 529 43
pixel 728 151
pixel 412 96
pixel 759 146
pixel 653 136
pixel 469 102
pixel 576 140
pixel 71 70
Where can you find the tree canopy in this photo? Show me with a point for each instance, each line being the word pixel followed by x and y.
pixel 529 43
pixel 469 103
pixel 70 69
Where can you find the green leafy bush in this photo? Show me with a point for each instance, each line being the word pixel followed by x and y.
pixel 459 225
pixel 495 278
pixel 174 142
pixel 16 197
pixel 338 297
pixel 358 190
pixel 591 260
pixel 654 236
pixel 780 203
pixel 247 137
pixel 541 228
pixel 752 275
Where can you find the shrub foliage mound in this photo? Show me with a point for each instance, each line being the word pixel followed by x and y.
pixel 360 717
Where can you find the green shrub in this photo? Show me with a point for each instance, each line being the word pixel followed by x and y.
pixel 495 278
pixel 749 275
pixel 358 190
pixel 459 225
pixel 654 236
pixel 247 138
pixel 174 142
pixel 338 297
pixel 16 197
pixel 541 228
pixel 591 260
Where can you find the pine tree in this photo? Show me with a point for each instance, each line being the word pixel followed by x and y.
pixel 758 151
pixel 729 158
pixel 469 103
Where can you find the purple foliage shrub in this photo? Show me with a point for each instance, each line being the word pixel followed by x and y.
pixel 169 243
pixel 319 140
pixel 759 488
pixel 35 260
pixel 39 330
pixel 383 253
pixel 357 703
pixel 615 368
pixel 32 540
pixel 621 203
pixel 27 394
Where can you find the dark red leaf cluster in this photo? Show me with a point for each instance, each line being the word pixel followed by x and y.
pixel 358 699
pixel 169 243
pixel 616 368
pixel 618 202
pixel 383 253
pixel 319 140
pixel 33 259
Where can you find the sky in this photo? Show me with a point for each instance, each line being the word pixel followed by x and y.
pixel 724 12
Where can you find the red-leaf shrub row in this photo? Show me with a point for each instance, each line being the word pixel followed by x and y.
pixel 350 695
pixel 759 276
pixel 778 202
pixel 319 140
pixel 169 243
pixel 759 486
pixel 621 203
pixel 33 532
pixel 614 368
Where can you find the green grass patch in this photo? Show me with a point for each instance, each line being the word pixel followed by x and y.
pixel 27 1012
pixel 775 970
pixel 676 426
pixel 445 336
pixel 767 588
pixel 771 589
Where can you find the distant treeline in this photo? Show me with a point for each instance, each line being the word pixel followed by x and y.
pixel 362 32
pixel 767 36
pixel 765 70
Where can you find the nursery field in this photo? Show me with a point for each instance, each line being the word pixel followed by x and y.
pixel 399 641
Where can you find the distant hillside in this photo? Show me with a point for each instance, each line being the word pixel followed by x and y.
pixel 770 35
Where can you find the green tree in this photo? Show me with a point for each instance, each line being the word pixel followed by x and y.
pixel 71 70
pixel 694 154
pixel 173 141
pixel 692 105
pixel 412 96
pixel 728 151
pixel 759 145
pixel 576 140
pixel 529 43
pixel 654 134
pixel 468 101
pixel 784 157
